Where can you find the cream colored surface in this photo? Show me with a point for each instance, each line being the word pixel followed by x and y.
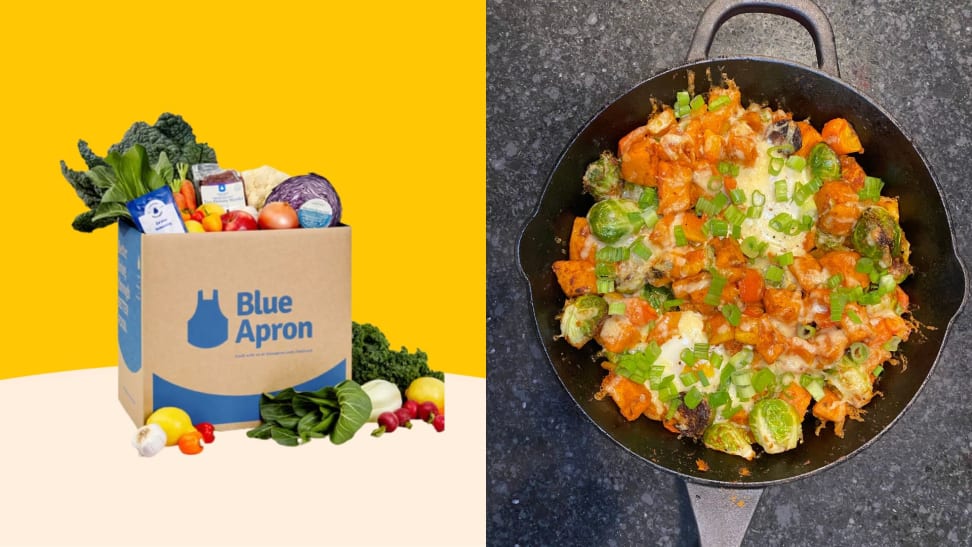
pixel 71 477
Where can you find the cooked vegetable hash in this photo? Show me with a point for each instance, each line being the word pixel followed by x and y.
pixel 739 270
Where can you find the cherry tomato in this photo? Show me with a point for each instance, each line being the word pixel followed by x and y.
pixel 191 442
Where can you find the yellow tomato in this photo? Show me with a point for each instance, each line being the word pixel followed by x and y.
pixel 194 226
pixel 212 209
pixel 425 389
pixel 212 223
pixel 174 421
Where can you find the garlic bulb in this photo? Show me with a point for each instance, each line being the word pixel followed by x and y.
pixel 149 440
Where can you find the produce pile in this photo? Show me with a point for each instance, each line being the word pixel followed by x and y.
pixel 161 167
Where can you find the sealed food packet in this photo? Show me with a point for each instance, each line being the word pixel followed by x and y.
pixel 156 212
pixel 225 188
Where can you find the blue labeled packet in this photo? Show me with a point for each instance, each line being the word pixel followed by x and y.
pixel 156 213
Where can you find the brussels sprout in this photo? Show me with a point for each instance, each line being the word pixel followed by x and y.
pixel 609 219
pixel 603 177
pixel 785 132
pixel 729 438
pixel 691 422
pixel 876 235
pixel 776 425
pixel 581 318
pixel 824 162
pixel 853 383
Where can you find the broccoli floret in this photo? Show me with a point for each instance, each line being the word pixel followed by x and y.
pixel 372 357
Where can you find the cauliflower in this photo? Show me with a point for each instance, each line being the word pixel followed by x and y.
pixel 259 182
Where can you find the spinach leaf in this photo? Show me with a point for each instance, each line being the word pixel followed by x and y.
pixel 276 410
pixel 261 431
pixel 302 405
pixel 284 436
pixel 354 412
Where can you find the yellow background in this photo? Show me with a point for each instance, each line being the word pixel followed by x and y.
pixel 385 99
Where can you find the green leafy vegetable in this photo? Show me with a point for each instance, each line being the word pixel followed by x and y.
pixel 371 358
pixel 170 135
pixel 292 418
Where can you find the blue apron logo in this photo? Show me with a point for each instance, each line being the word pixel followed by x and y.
pixel 208 327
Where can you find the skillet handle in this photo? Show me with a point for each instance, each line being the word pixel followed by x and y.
pixel 804 12
pixel 722 514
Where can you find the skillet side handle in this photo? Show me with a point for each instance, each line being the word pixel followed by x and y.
pixel 722 514
pixel 804 12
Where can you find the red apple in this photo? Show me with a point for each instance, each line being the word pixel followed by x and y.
pixel 238 220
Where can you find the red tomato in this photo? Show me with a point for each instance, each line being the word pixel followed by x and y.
pixel 278 215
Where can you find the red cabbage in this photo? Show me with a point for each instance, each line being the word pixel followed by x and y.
pixel 299 189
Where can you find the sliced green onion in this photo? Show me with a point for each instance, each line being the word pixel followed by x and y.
pixel 715 360
pixel 870 298
pixel 688 378
pixel 604 269
pixel 714 296
pixel 742 358
pixel 704 206
pixel 781 222
pixel 650 216
pixel 745 392
pixel 668 392
pixel 703 379
pixel 682 98
pixel 734 215
pixel 688 356
pixel 736 231
pixel 672 409
pixel 718 398
pixel 672 303
pixel 806 223
pixel 693 398
pixel 636 220
pixel 605 285
pixel 738 196
pixel 680 236
pixel 752 247
pixel 758 198
pixel 719 201
pixel 616 308
pixel 730 411
pixel 755 211
pixel 877 370
pixel 803 191
pixel 717 227
pixel 813 384
pixel 779 190
pixel 732 314
pixel 852 315
pixel 718 102
pixel 834 281
pixel 776 165
pixel 682 110
pixel 806 331
pixel 838 301
pixel 864 265
pixel 740 379
pixel 612 254
pixel 648 198
pixel 872 189
pixel 728 169
pixel 774 274
pixel 639 249
pixel 726 375
pixel 701 350
pixel 698 103
pixel 886 284
pixel 785 259
pixel 763 379
pixel 714 184
pixel 891 344
pixel 859 352
pixel 786 378
pixel 655 373
pixel 796 163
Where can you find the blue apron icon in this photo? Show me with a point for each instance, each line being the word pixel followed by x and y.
pixel 208 326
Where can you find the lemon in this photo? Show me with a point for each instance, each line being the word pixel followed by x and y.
pixel 425 389
pixel 174 421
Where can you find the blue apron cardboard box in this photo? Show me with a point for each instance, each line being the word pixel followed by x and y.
pixel 209 321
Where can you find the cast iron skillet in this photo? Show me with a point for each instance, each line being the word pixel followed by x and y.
pixel 937 288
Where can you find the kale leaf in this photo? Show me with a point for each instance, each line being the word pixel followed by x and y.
pixel 170 134
pixel 372 357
